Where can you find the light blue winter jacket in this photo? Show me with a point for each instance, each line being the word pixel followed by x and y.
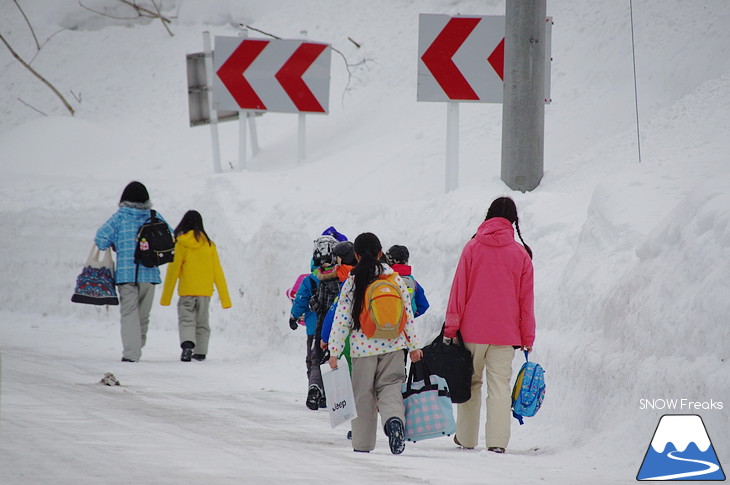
pixel 120 233
pixel 300 305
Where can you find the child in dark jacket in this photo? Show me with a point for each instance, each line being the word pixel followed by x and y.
pixel 397 257
pixel 306 303
pixel 344 254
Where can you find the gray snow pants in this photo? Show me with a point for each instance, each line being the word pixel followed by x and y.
pixel 135 303
pixel 193 323
pixel 376 383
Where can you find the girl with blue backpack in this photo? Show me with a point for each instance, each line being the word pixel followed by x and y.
pixel 491 304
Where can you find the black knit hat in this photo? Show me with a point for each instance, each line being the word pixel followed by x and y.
pixel 346 251
pixel 397 255
pixel 135 192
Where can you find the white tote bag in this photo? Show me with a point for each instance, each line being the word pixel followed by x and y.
pixel 338 388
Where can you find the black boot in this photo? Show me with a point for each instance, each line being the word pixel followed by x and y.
pixel 396 435
pixel 187 351
pixel 313 397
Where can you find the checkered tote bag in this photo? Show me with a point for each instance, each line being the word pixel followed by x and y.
pixel 429 412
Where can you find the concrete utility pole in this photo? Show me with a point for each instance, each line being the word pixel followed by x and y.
pixel 523 111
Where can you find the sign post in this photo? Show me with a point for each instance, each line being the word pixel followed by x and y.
pixel 461 59
pixel 452 146
pixel 301 138
pixel 215 141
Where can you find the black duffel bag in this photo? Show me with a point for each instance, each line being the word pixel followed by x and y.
pixel 453 362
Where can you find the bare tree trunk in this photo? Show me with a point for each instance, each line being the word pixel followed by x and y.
pixel 35 73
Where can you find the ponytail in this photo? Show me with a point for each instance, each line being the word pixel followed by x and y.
pixel 367 247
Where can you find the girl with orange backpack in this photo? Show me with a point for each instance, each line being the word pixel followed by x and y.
pixel 374 311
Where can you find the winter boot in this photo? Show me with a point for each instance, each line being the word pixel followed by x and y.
pixel 187 351
pixel 313 397
pixel 199 357
pixel 396 435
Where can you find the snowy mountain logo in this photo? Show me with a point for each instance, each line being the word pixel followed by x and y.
pixel 681 450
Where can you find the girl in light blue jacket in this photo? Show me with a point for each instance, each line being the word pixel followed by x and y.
pixel 135 282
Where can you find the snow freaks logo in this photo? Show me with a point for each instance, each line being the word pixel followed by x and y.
pixel 681 450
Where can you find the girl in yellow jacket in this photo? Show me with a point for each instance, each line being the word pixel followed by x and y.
pixel 197 266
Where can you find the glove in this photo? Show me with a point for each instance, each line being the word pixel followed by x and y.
pixel 293 323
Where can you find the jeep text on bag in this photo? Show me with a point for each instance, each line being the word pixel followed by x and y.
pixel 383 314
pixel 155 244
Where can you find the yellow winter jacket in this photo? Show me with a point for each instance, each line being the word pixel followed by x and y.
pixel 197 265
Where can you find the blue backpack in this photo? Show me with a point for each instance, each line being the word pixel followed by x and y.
pixel 529 390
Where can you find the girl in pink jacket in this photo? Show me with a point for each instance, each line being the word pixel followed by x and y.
pixel 491 303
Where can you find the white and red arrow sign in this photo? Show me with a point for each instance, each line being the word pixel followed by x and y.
pixel 460 58
pixel 285 76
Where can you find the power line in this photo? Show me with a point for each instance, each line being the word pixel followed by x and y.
pixel 636 90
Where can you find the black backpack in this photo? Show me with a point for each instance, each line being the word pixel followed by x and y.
pixel 155 244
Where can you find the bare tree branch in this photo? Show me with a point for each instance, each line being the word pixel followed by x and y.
pixel 141 10
pixel 51 37
pixel 38 46
pixel 162 19
pixel 77 98
pixel 32 107
pixel 103 14
pixel 260 31
pixel 141 13
pixel 348 65
pixel 35 73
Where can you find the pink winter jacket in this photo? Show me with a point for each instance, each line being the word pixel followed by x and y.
pixel 491 298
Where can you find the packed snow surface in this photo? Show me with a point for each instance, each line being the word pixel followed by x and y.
pixel 632 259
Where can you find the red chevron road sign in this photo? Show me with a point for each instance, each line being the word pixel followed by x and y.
pixel 462 58
pixel 286 76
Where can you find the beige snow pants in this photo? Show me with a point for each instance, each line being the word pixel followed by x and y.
pixel 497 360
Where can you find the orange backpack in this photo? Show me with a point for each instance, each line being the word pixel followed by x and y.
pixel 383 314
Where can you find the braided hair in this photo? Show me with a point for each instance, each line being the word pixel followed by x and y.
pixel 506 208
pixel 369 250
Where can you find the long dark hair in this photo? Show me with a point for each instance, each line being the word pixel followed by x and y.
pixel 505 207
pixel 368 249
pixel 192 221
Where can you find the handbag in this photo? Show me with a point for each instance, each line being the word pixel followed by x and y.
pixel 429 412
pixel 338 389
pixel 95 284
pixel 454 363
